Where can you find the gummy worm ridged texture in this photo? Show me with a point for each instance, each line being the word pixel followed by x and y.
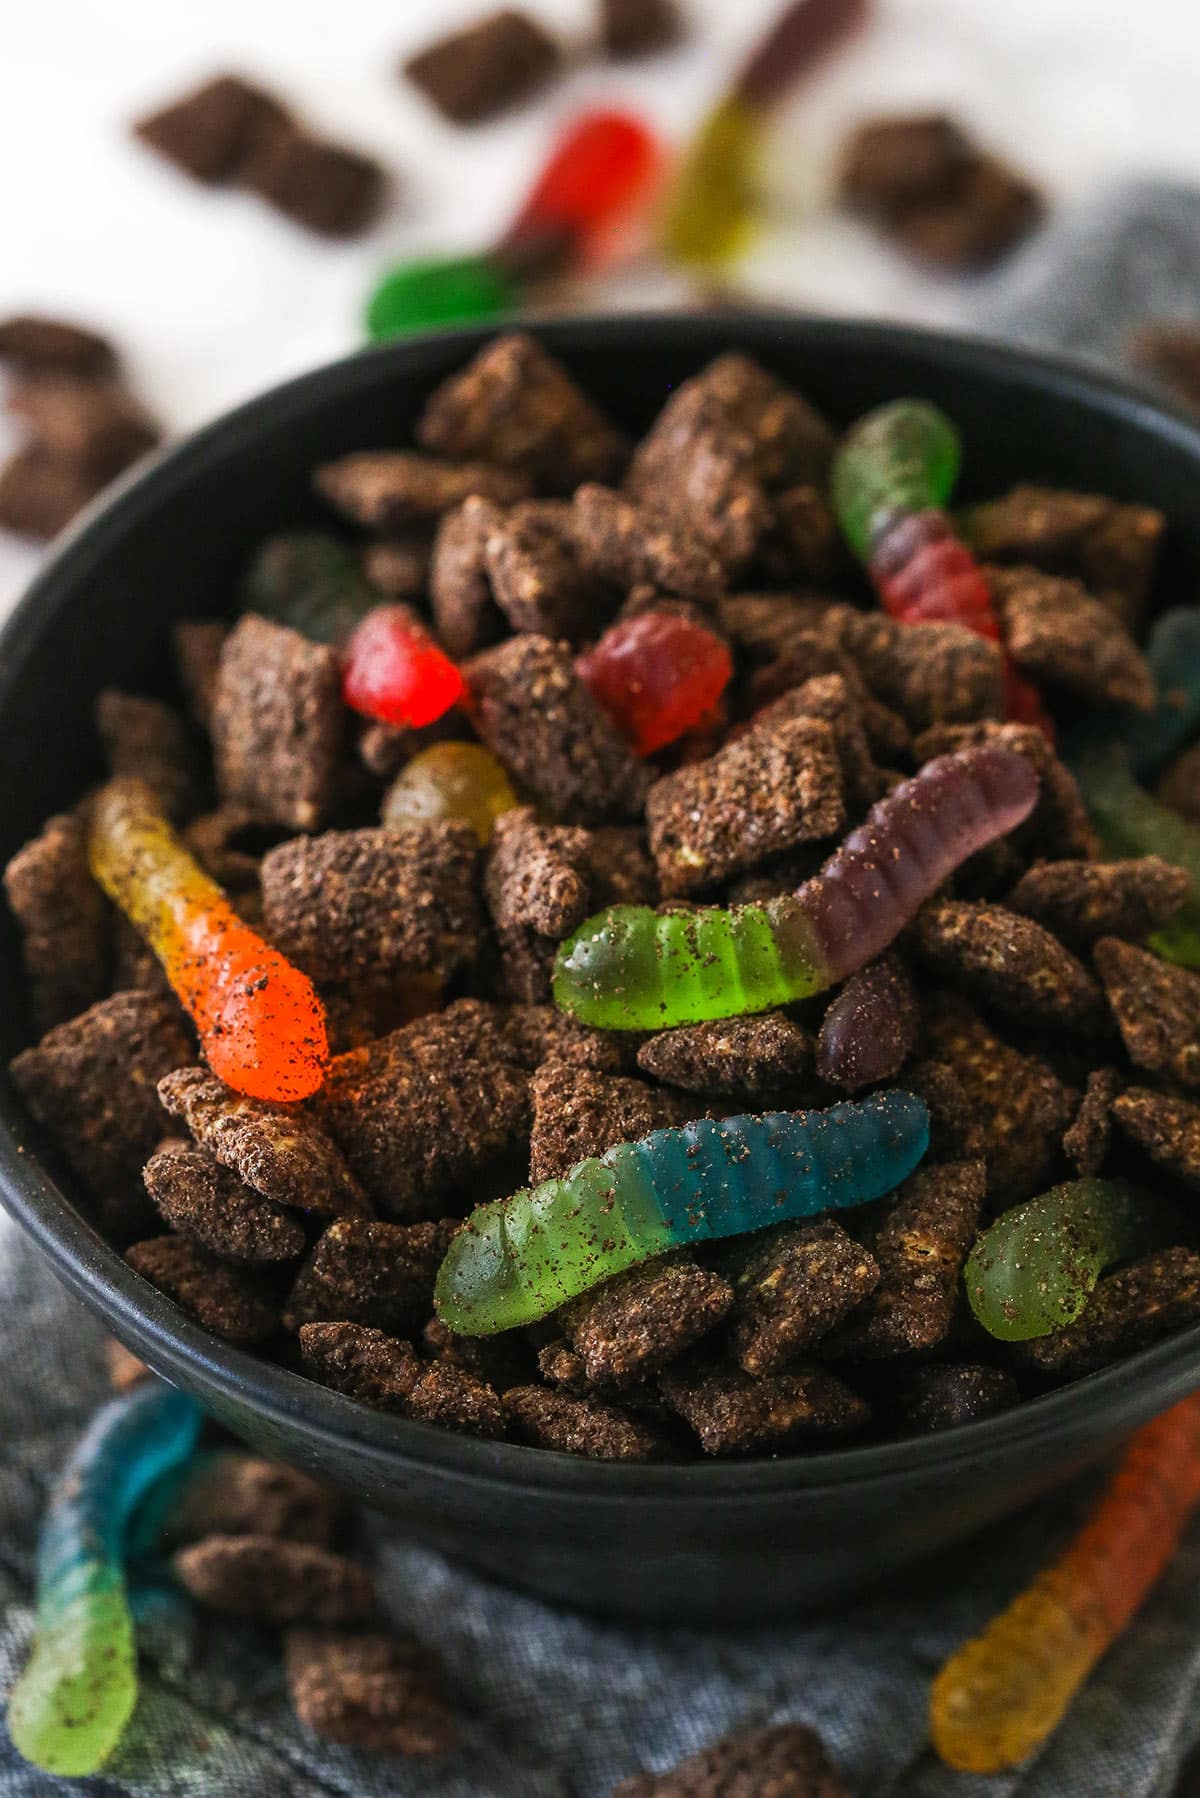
pixel 520 1258
pixel 261 1024
pixel 72 1702
pixel 632 968
pixel 1034 1269
pixel 1000 1696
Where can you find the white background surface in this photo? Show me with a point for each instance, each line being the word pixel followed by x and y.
pixel 213 297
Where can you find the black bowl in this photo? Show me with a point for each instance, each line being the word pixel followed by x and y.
pixel 740 1541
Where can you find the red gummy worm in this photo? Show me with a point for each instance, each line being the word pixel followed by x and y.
pixel 601 168
pixel 394 672
pixel 658 675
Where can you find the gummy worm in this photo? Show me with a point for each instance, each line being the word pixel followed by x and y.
pixel 1151 738
pixel 632 968
pixel 72 1702
pixel 1001 1696
pixel 261 1024
pixel 519 1258
pixel 657 675
pixel 1034 1269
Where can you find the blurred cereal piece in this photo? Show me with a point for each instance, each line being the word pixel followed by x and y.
pixel 637 1322
pixel 1086 1142
pixel 1110 547
pixel 197 644
pixel 791 1287
pixel 631 28
pixel 385 490
pixel 580 1426
pixel 230 1301
pixel 379 1275
pixel 65 938
pixel 147 740
pixel 398 566
pixel 202 1200
pixel 749 1059
pixel 277 723
pixel 94 426
pixel 374 1693
pixel 465 614
pixel 227 843
pixel 1157 1007
pixel 1166 1128
pixel 788 1760
pixel 40 494
pixel 537 578
pixel 35 345
pixel 734 1414
pixel 326 187
pixel 941 674
pixel 580 1112
pixel 1128 1310
pixel 627 544
pixel 271 1580
pixel 232 1493
pixel 473 74
pixel 1180 784
pixel 947 1394
pixel 1171 353
pixel 209 132
pixel 1058 634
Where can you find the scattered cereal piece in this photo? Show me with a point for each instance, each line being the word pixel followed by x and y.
pixel 791 1287
pixel 122 1366
pixel 536 715
pixel 775 787
pixel 498 1361
pixel 473 74
pixel 419 1120
pixel 63 920
pixel 204 1201
pixel 378 1694
pixel 1111 548
pixel 366 1364
pixel 326 187
pixel 945 1395
pixel 281 1151
pixel 620 868
pixel 791 442
pixel 537 875
pixel 1086 1142
pixel 706 471
pixel 216 840
pixel 579 1426
pixel 955 1133
pixel 628 544
pixel 146 739
pixel 1010 962
pixel 1168 1129
pixel 376 903
pixel 517 406
pixel 750 1058
pixel 197 643
pixel 1057 633
pixel 93 425
pixel 734 1414
pixel 210 132
pixel 269 1580
pixel 278 723
pixel 1081 901
pixel 375 1274
pixel 452 1399
pixel 40 494
pixel 788 1760
pixel 227 1300
pixel 1179 786
pixel 921 1247
pixel 870 1029
pixel 1157 1007
pixel 1171 351
pixel 892 164
pixel 385 490
pixel 235 1494
pixel 465 613
pixel 91 1083
pixel 991 212
pixel 941 674
pixel 537 1033
pixel 398 566
pixel 580 1112
pixel 637 1322
pixel 536 577
pixel 833 698
pixel 1127 1311
pixel 630 28
pixel 35 345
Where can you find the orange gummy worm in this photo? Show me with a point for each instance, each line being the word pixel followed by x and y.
pixel 1002 1695
pixel 261 1024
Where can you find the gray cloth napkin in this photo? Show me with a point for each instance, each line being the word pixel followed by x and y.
pixel 558 1706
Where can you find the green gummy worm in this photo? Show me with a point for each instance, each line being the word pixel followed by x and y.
pixel 903 457
pixel 1034 1270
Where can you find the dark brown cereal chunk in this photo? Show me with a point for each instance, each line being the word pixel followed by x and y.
pixel 418 1120
pixel 1086 1142
pixel 629 545
pixel 472 74
pixel 538 717
pixel 498 1361
pixel 941 674
pixel 376 1369
pixel 1127 1311
pixel 705 471
pixel 204 1201
pixel 637 27
pixel 326 187
pixel 1010 962
pixel 1179 786
pixel 892 164
pixel 579 1426
pixel 270 1580
pixel 775 787
pixel 376 1693
pixel 216 840
pixel 641 1319
pixel 580 1112
pixel 233 1494
pixel 385 490
pixel 1157 1007
pixel 227 1300
pixel 951 1393
pixel 453 1399
pixel 95 425
pixel 1059 824
pixel 146 740
pixel 735 1414
pixel 791 443
pixel 399 567
pixel 197 643
pixel 536 875
pixel 833 698
pixel 210 132
pixel 955 1133
pixel 788 1760
pixel 870 1029
pixel 803 544
pixel 536 578
pixel 1168 1129
pixel 1017 1107
pixel 920 1249
pixel 1111 548
pixel 465 613
pixel 746 1058
pixel 37 345
pixel 791 1287
pixel 40 494
pixel 517 406
pixel 1080 900
pixel 1171 352
pixel 620 868
pixel 277 723
pixel 91 1083
pixel 376 903
pixel 63 920
pixel 537 1033
pixel 376 1274
pixel 281 1151
pixel 992 209
pixel 1056 632
pixel 764 626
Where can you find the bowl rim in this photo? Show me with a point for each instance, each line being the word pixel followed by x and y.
pixel 178 1347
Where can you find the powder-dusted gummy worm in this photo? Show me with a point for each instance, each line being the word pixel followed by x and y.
pixel 632 968
pixel 1132 822
pixel 73 1700
pixel 518 1259
pixel 311 582
pixel 261 1024
pixel 1000 1696
pixel 1035 1268
pixel 658 675
pixel 1149 739
pixel 450 780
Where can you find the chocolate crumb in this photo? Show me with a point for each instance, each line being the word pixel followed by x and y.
pixel 226 1299
pixel 378 1694
pixel 269 1580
